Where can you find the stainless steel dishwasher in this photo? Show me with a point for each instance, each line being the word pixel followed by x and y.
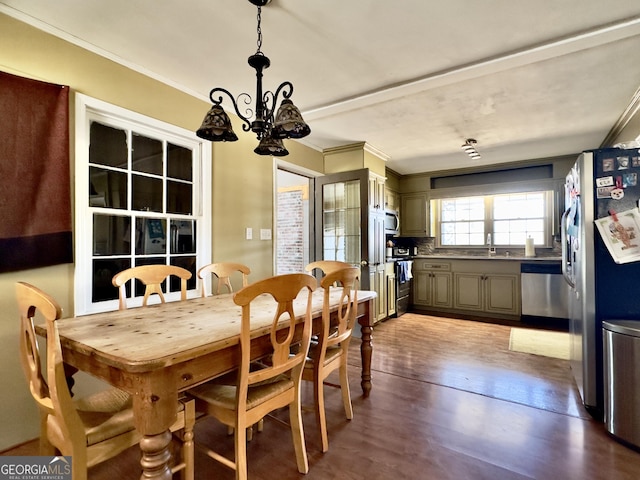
pixel 544 290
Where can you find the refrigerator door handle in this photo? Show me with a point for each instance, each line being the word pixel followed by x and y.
pixel 565 250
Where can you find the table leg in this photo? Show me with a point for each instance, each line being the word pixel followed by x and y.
pixel 155 407
pixel 156 456
pixel 366 349
pixel 365 352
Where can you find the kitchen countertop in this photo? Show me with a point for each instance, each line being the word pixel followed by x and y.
pixel 497 256
pixel 397 259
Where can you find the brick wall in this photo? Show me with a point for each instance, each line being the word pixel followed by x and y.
pixel 290 232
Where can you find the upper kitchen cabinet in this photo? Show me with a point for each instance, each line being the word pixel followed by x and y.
pixel 391 199
pixel 392 190
pixel 376 192
pixel 414 215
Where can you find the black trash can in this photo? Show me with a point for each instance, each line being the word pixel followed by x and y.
pixel 622 379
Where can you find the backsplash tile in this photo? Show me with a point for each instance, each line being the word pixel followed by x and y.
pixel 426 246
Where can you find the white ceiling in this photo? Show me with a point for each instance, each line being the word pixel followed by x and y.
pixel 412 78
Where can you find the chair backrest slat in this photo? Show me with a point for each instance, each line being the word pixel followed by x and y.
pixel 223 271
pixel 284 289
pixel 152 277
pixel 340 330
pixel 327 266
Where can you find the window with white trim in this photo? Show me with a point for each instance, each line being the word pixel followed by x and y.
pixel 509 218
pixel 140 200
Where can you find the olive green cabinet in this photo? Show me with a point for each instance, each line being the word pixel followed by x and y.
pixel 432 284
pixel 414 215
pixel 487 292
pixel 478 287
pixel 390 274
pixel 377 254
pixel 391 199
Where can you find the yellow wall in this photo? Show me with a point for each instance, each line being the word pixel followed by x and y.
pixel 374 163
pixel 242 186
pixel 392 181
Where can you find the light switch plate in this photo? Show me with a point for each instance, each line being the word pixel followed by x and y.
pixel 249 233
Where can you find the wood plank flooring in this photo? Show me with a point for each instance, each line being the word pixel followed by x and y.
pixel 449 401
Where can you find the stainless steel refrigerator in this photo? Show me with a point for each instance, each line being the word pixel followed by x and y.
pixel 602 184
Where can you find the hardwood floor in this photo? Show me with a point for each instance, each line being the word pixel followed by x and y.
pixel 449 401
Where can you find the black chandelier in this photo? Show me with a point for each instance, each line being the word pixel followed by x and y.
pixel 269 129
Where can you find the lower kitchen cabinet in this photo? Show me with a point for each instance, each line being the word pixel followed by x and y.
pixel 490 293
pixel 390 273
pixel 432 285
pixel 488 288
pixel 377 283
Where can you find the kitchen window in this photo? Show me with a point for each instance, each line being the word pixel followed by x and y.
pixel 509 218
pixel 140 200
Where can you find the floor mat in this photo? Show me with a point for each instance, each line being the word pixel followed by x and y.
pixel 540 342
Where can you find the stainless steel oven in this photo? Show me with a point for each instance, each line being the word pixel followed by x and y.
pixel 404 275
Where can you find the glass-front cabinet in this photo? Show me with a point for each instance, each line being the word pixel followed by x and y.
pixel 341 211
pixel 351 219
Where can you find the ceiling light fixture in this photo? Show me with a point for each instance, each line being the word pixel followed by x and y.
pixel 269 129
pixel 469 147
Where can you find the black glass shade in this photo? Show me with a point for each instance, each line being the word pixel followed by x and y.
pixel 271 146
pixel 289 122
pixel 216 126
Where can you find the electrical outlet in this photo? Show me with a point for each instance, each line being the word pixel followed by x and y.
pixel 265 234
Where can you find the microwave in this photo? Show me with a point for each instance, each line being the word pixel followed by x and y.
pixel 391 223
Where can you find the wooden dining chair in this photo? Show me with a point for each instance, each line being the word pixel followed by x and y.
pixel 91 429
pixel 331 351
pixel 276 385
pixel 223 271
pixel 326 266
pixel 152 277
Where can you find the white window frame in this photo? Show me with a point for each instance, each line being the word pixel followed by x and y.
pixel 489 220
pixel 89 109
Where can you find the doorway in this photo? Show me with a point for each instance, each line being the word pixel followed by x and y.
pixel 293 227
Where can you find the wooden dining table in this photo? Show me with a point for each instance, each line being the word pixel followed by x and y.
pixel 156 352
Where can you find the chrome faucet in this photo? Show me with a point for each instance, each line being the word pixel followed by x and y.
pixel 492 249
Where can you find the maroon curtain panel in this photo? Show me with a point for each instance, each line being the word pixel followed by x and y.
pixel 35 193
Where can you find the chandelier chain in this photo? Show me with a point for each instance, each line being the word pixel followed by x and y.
pixel 259 30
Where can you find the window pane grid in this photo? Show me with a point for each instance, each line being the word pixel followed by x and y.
pixel 462 221
pixel 518 216
pixel 510 218
pixel 141 214
pixel 341 219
